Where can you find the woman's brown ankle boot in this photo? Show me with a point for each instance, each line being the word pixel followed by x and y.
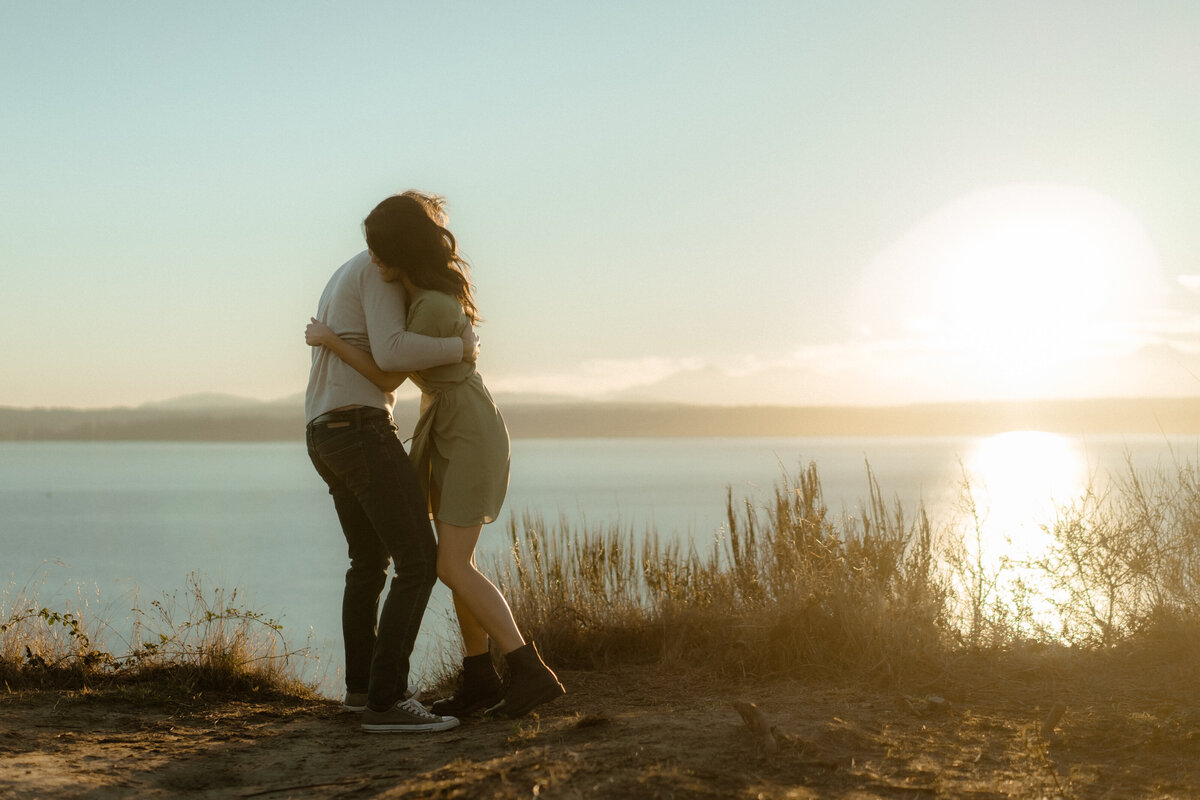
pixel 530 683
pixel 480 688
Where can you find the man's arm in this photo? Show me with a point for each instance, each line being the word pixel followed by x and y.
pixel 318 334
pixel 395 349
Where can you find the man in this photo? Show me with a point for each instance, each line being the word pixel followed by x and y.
pixel 353 444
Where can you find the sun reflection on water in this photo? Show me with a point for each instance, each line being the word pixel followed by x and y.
pixel 1016 481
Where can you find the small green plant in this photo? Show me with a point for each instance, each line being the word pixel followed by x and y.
pixel 79 651
pixel 524 730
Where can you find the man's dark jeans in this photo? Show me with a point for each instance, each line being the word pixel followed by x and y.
pixel 383 515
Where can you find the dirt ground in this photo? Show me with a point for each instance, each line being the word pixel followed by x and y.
pixel 622 734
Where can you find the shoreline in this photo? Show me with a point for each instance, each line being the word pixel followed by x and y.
pixel 1167 416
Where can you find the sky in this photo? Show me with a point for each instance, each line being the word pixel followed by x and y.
pixel 793 203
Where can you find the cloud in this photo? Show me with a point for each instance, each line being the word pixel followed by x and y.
pixel 1157 352
pixel 847 373
pixel 1173 330
pixel 597 377
pixel 1189 282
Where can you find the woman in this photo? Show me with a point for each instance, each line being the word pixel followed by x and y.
pixel 460 448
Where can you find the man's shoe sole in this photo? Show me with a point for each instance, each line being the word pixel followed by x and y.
pixel 354 708
pixel 424 727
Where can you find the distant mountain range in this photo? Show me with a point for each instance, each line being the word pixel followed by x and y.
pixel 209 401
pixel 216 417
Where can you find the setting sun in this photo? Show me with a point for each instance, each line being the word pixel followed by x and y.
pixel 1012 283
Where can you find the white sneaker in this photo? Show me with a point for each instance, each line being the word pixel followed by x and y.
pixel 407 716
pixel 357 701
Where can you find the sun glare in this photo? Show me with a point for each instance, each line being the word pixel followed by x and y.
pixel 1017 481
pixel 1019 478
pixel 1009 284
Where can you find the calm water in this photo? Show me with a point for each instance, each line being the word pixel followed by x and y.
pixel 104 521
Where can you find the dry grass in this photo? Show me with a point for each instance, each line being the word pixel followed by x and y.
pixel 180 645
pixel 788 589
pixel 791 589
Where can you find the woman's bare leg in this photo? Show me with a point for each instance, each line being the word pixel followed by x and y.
pixel 473 592
pixel 475 638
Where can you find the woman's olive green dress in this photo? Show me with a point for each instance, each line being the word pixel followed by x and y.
pixel 460 445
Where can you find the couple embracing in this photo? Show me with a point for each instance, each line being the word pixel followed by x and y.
pixel 404 310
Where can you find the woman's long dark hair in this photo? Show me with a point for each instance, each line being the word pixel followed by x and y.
pixel 407 232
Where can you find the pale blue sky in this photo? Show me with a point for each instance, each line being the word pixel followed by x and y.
pixel 709 202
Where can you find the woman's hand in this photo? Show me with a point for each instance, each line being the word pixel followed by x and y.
pixel 317 332
pixel 470 344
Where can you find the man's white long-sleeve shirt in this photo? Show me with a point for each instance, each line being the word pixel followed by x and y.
pixel 368 313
